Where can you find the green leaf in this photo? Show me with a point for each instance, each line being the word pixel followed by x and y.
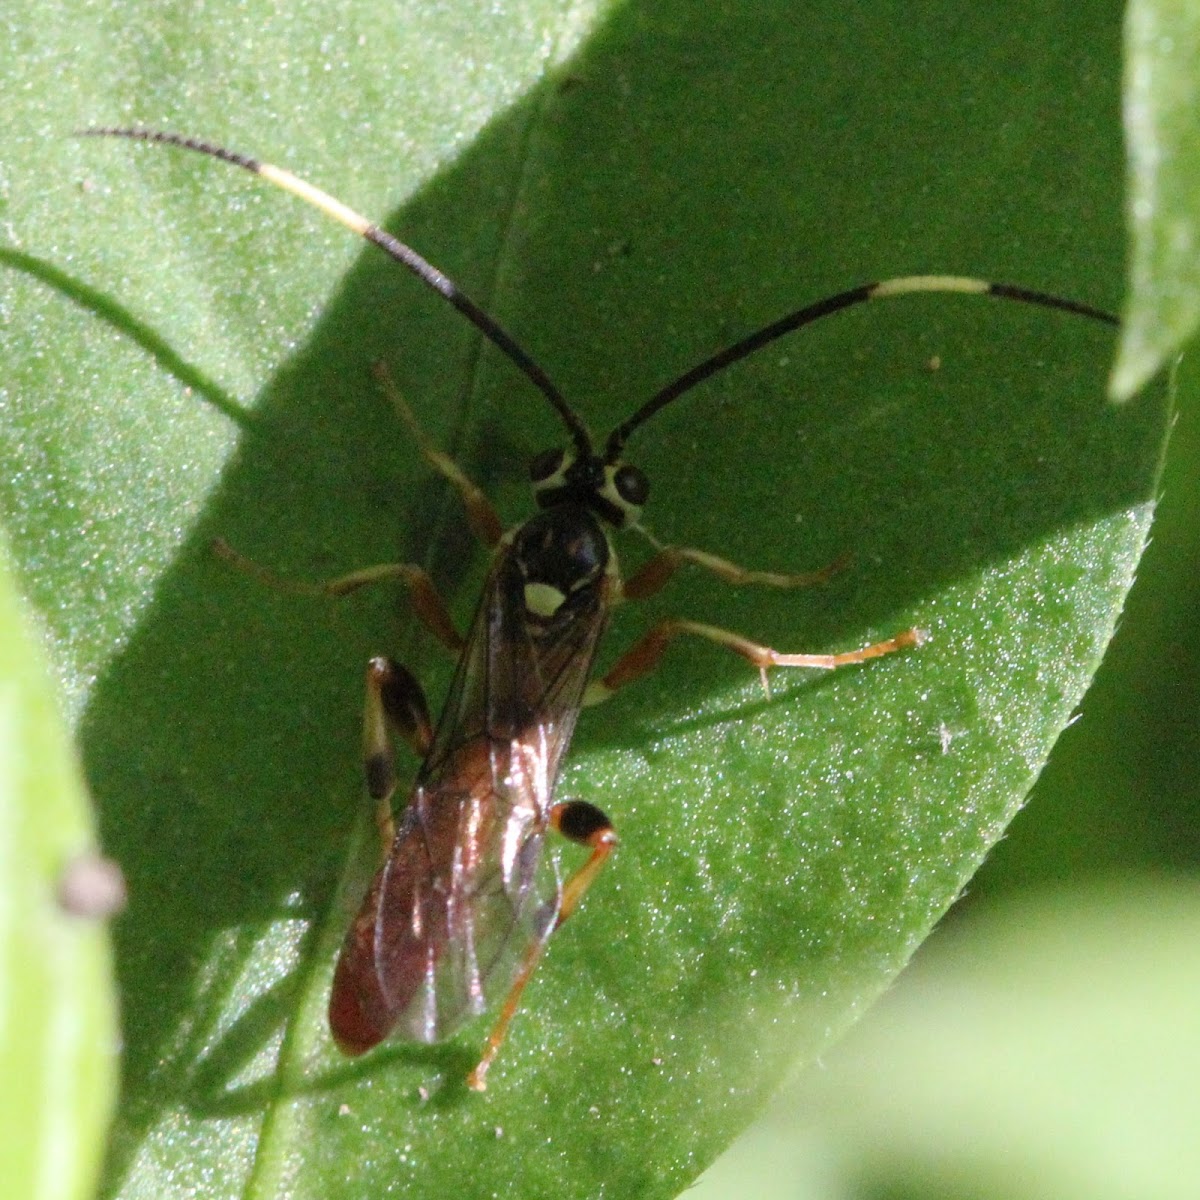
pixel 627 190
pixel 1162 129
pixel 1123 783
pixel 58 1032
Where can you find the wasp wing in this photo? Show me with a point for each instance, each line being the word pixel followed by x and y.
pixel 466 893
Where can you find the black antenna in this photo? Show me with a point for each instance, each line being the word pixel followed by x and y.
pixel 901 286
pixel 404 254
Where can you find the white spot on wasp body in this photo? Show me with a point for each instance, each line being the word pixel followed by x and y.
pixel 542 599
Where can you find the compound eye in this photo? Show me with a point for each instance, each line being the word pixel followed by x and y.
pixel 632 486
pixel 545 465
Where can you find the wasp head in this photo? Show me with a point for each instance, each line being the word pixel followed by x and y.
pixel 614 491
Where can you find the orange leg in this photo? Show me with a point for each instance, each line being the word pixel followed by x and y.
pixel 585 824
pixel 484 521
pixel 653 575
pixel 644 655
pixel 427 602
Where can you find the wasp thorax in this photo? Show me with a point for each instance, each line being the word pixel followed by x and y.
pixel 560 553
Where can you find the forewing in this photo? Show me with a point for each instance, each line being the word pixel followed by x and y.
pixel 467 894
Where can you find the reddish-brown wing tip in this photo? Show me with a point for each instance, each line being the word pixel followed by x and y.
pixel 356 1024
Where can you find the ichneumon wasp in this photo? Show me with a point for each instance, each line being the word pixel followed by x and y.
pixel 464 902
